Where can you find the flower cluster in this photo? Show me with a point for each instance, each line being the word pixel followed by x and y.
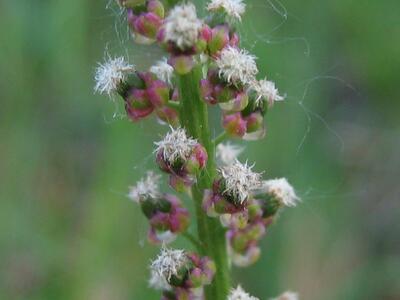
pixel 205 65
pixel 180 275
pixel 180 156
pixel 166 215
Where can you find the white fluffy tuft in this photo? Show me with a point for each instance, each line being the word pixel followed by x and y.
pixel 266 90
pixel 168 263
pixel 240 180
pixel 240 294
pixel 227 153
pixel 163 70
pixel 282 191
pixel 110 74
pixel 176 144
pixel 147 187
pixel 182 26
pixel 233 8
pixel 237 66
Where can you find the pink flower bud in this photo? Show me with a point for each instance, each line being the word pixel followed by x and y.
pixel 207 90
pixel 156 7
pixel 219 39
pixel 238 103
pixel 158 93
pixel 137 105
pixel 234 124
pixel 147 24
pixel 197 160
pixel 255 127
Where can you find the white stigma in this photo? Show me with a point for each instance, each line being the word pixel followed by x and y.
pixel 182 26
pixel 233 8
pixel 168 263
pixel 240 181
pixel 111 74
pixel 288 296
pixel 163 70
pixel 145 188
pixel 266 90
pixel 227 153
pixel 176 144
pixel 237 66
pixel 240 294
pixel 282 191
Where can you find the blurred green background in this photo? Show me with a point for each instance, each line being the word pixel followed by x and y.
pixel 68 156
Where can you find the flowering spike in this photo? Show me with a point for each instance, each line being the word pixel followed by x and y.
pixel 237 66
pixel 111 74
pixel 240 294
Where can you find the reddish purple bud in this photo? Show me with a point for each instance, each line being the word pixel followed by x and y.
pixel 180 184
pixel 238 103
pixel 207 90
pixel 219 39
pixel 197 160
pixel 147 24
pixel 234 124
pixel 235 40
pixel 137 105
pixel 158 93
pixel 156 7
pixel 255 127
pixel 182 64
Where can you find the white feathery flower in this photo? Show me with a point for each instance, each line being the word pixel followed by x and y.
pixel 233 8
pixel 176 144
pixel 169 262
pixel 240 180
pixel 163 70
pixel 237 66
pixel 288 296
pixel 145 188
pixel 266 90
pixel 158 282
pixel 182 26
pixel 228 153
pixel 240 294
pixel 110 74
pixel 282 191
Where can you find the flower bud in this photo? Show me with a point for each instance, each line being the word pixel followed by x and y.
pixel 147 25
pixel 156 7
pixel 137 104
pixel 158 93
pixel 182 63
pixel 234 124
pixel 255 127
pixel 238 103
pixel 219 39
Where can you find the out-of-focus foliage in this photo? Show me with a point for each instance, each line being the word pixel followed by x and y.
pixel 67 156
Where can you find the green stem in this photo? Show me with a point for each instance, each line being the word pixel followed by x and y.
pixel 194 117
pixel 193 240
pixel 174 104
pixel 219 139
